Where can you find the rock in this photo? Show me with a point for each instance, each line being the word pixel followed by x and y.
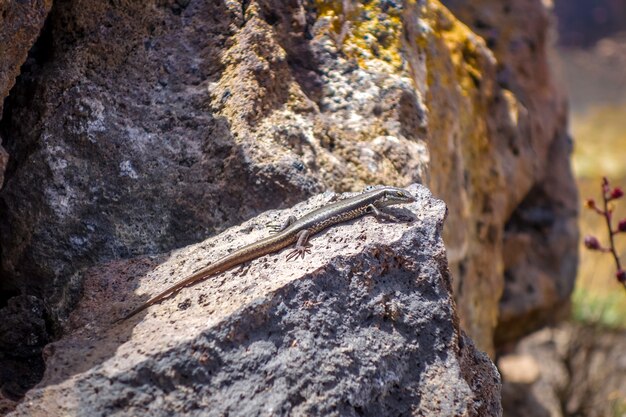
pixel 365 325
pixel 20 24
pixel 23 334
pixel 130 157
pixel 4 160
pixel 580 26
pixel 519 369
pixel 534 217
pixel 149 128
pixel 582 372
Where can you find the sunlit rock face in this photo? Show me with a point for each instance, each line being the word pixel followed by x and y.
pixel 362 326
pixel 146 128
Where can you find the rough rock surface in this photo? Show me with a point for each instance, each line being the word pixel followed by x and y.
pixel 364 326
pixel 145 128
pixel 20 24
pixel 535 218
pixel 23 334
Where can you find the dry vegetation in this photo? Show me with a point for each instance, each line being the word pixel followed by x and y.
pixel 600 150
pixel 596 84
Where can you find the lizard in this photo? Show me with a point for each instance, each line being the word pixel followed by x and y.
pixel 298 231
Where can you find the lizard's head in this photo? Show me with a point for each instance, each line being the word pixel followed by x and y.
pixel 392 196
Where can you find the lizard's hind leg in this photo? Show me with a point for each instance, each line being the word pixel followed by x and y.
pixel 302 247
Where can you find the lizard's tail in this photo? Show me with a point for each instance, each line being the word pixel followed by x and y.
pixel 169 292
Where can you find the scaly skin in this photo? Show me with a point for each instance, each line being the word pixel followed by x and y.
pixel 295 231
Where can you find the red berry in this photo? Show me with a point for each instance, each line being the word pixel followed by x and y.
pixel 621 276
pixel 621 226
pixel 590 203
pixel 592 243
pixel 616 193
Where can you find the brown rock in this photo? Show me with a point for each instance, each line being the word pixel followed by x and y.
pixel 20 24
pixel 365 326
pixel 582 372
pixel 150 128
pixel 533 207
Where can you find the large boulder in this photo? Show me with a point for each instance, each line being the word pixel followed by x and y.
pixel 537 222
pixel 147 127
pixel 363 326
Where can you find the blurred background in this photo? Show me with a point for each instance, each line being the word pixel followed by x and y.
pixel 591 64
pixel 579 367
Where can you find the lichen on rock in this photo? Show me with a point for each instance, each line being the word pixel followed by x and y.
pixel 145 129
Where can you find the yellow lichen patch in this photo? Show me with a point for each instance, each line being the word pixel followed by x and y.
pixel 465 172
pixel 333 10
pixel 369 33
pixel 460 42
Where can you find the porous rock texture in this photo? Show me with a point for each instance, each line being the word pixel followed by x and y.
pixel 141 127
pixel 363 326
pixel 23 332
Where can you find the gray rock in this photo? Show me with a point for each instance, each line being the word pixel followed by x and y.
pixel 117 148
pixel 23 334
pixel 144 129
pixel 364 326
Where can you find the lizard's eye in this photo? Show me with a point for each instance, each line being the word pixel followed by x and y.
pixel 400 194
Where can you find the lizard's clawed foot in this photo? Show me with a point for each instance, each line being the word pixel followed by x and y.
pixel 298 251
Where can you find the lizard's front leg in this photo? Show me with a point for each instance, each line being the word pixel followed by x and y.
pixel 382 215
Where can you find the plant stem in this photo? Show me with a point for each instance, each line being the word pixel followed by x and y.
pixel 607 217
